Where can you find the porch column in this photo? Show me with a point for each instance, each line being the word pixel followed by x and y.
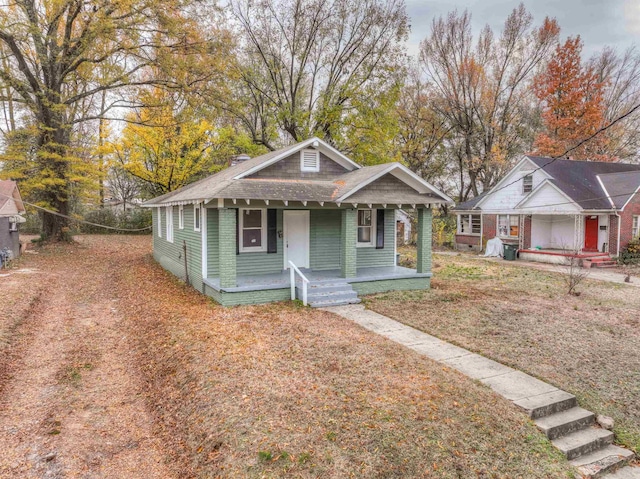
pixel 425 224
pixel 227 232
pixel 348 237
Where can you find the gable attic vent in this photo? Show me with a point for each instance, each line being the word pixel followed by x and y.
pixel 309 160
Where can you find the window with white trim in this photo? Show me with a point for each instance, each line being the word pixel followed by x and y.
pixel 309 160
pixel 196 217
pixel 635 230
pixel 366 228
pixel 253 230
pixel 527 184
pixel 469 224
pixel 508 226
pixel 181 217
pixel 169 218
pixel 159 223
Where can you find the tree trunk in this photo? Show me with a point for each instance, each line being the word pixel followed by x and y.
pixel 53 144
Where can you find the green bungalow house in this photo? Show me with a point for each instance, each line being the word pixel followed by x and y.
pixel 305 212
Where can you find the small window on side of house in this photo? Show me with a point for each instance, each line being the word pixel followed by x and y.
pixel 310 160
pixel 181 217
pixel 159 225
pixel 196 217
pixel 635 231
pixel 527 184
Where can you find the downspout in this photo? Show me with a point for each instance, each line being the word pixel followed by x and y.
pixel 618 241
pixel 481 230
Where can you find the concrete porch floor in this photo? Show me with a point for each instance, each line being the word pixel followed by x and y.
pixel 281 280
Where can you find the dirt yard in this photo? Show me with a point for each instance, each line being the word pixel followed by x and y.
pixel 588 345
pixel 111 368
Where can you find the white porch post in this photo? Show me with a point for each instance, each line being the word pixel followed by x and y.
pixel 578 233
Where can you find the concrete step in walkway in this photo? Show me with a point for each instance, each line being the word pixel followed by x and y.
pixel 554 411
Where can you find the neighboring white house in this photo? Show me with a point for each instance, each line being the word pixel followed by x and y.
pixel 547 207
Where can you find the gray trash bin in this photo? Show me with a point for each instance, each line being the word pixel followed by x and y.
pixel 510 251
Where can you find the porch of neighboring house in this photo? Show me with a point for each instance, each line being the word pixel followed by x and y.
pixel 558 238
pixel 338 254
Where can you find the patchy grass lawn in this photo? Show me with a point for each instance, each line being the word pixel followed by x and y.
pixel 588 345
pixel 280 390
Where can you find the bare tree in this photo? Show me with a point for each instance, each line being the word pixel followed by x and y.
pixel 303 62
pixel 483 90
pixel 621 74
pixel 123 186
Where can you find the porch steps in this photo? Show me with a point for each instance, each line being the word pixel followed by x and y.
pixel 599 262
pixel 323 294
pixel 571 429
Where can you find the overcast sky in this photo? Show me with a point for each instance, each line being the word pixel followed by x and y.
pixel 598 22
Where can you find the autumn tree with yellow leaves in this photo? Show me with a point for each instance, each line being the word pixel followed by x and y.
pixel 59 56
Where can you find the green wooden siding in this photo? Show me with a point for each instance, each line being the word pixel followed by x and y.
pixel 262 263
pixel 171 255
pixel 324 239
pixel 370 256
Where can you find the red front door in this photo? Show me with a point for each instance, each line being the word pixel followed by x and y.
pixel 591 233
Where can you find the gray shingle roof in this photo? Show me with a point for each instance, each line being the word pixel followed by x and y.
pixel 579 179
pixel 223 185
pixel 621 186
pixel 470 204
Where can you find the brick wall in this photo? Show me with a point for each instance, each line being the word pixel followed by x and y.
pixel 527 232
pixel 468 243
pixel 626 220
pixel 613 235
pixel 489 227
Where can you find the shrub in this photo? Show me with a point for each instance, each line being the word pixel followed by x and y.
pixel 631 254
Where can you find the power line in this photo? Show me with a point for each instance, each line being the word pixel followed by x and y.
pixel 77 220
pixel 566 202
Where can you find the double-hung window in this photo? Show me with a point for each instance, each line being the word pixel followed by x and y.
pixel 366 227
pixel 508 226
pixel 169 218
pixel 635 231
pixel 181 217
pixel 527 184
pixel 469 224
pixel 196 217
pixel 253 230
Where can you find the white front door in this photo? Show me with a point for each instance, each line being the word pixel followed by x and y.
pixel 296 238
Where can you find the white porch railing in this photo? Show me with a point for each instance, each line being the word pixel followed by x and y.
pixel 294 269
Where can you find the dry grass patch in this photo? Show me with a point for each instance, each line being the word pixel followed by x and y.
pixel 280 390
pixel 588 345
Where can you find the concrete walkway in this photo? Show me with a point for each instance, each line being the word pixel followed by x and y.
pixel 525 391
